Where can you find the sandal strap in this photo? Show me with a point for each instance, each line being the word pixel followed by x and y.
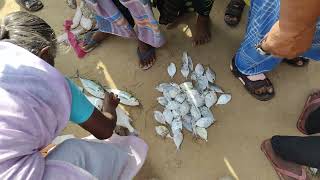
pixel 235 8
pixel 293 175
pixel 30 3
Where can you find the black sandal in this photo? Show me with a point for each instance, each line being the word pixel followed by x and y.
pixel 234 10
pixel 261 89
pixel 297 62
pixel 30 5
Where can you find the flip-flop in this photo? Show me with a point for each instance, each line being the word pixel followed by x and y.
pixel 30 5
pixel 306 111
pixel 280 171
pixel 294 62
pixel 88 41
pixel 234 10
pixel 143 57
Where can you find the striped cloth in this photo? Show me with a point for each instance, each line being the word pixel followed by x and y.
pixel 263 15
pixel 111 20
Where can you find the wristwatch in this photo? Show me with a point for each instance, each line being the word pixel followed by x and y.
pixel 260 50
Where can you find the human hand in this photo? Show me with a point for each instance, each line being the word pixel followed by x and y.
pixel 287 44
pixel 110 102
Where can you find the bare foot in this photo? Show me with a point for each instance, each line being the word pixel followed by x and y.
pixel 280 163
pixel 146 55
pixel 96 38
pixel 203 34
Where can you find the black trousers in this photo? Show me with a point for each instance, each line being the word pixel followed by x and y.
pixel 301 150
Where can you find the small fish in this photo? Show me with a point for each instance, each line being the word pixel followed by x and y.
pixel 205 112
pixel 184 108
pixel 178 138
pixel 195 98
pixel 158 116
pixel 180 97
pixel 93 88
pixel 185 65
pixel 98 103
pixel 210 99
pixel 175 85
pixel 224 99
pixel 168 116
pixel 162 131
pixel 173 92
pixel 124 120
pixel 196 114
pixel 176 125
pixel 186 86
pixel 172 105
pixel 162 100
pixel 216 88
pixel 204 122
pixel 167 95
pixel 202 133
pixel 172 70
pixel 163 87
pixel 211 76
pixel 187 126
pixel 125 97
pixel 202 83
pixel 199 70
pixel 194 76
pixel 176 113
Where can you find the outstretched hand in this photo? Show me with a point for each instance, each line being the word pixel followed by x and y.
pixel 110 102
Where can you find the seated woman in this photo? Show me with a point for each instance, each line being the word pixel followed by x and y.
pixel 36 103
pixel 129 19
pixel 277 31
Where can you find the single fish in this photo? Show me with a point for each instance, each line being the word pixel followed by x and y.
pixel 125 97
pixel 205 112
pixel 202 83
pixel 173 92
pixel 185 65
pixel 93 88
pixel 184 109
pixel 180 97
pixel 194 76
pixel 224 99
pixel 124 120
pixel 172 70
pixel 199 70
pixel 216 88
pixel 162 131
pixel 176 125
pixel 162 100
pixel 177 139
pixel 204 122
pixel 211 75
pixel 196 114
pixel 163 87
pixel 172 105
pixel 210 99
pixel 202 133
pixel 168 116
pixel 194 97
pixel 158 116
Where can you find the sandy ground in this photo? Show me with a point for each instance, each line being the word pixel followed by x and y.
pixel 234 141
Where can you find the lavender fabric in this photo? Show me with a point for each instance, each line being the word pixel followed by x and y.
pixel 35 106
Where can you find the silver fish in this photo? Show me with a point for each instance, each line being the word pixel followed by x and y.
pixel 98 103
pixel 187 126
pixel 202 133
pixel 158 116
pixel 181 97
pixel 190 63
pixel 175 85
pixel 173 92
pixel 176 125
pixel 162 100
pixel 162 131
pixel 172 105
pixel 178 138
pixel 172 69
pixel 202 83
pixel 210 99
pixel 196 114
pixel 184 108
pixel 168 116
pixel 199 70
pixel 124 120
pixel 93 88
pixel 204 122
pixel 125 97
pixel 185 65
pixel 224 99
pixel 163 87
pixel 211 75
pixel 195 98
pixel 216 88
pixel 194 76
pixel 186 86
pixel 205 112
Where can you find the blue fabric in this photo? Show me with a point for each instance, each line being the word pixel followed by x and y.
pixel 81 108
pixel 263 15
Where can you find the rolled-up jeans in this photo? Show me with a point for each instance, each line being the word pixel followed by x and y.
pixel 263 15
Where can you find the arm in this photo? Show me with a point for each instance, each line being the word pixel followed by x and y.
pixel 293 33
pixel 101 125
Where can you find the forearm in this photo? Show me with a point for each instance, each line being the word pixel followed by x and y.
pixel 297 16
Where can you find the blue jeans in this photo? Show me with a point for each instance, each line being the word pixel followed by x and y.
pixel 263 15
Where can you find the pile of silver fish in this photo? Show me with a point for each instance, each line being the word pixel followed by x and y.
pixel 187 106
pixel 97 93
